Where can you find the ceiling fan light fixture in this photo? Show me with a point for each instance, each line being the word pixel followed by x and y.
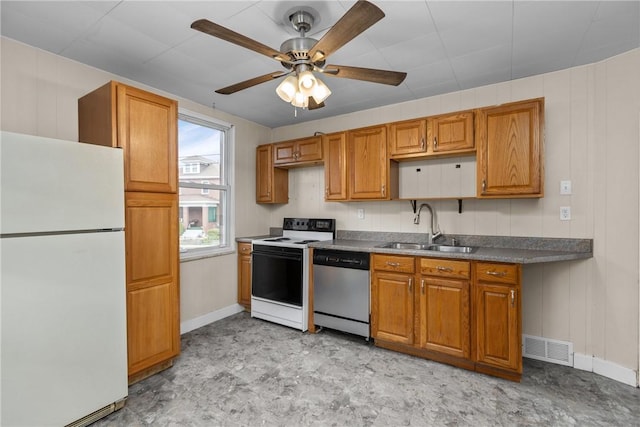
pixel 300 100
pixel 306 81
pixel 288 88
pixel 320 92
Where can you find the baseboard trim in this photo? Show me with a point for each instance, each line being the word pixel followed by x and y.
pixel 605 368
pixel 205 319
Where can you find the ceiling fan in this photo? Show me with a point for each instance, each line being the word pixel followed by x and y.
pixel 301 55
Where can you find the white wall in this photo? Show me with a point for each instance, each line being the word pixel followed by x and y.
pixel 39 97
pixel 591 118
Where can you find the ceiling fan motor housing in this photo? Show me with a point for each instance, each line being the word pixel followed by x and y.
pixel 298 48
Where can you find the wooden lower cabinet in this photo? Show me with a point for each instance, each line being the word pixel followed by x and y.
pixel 444 307
pixel 152 271
pixel 464 313
pixel 498 326
pixel 244 275
pixel 392 301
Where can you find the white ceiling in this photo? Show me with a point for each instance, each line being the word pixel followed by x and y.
pixel 444 46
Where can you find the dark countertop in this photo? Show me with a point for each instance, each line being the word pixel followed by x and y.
pixel 516 250
pixel 508 255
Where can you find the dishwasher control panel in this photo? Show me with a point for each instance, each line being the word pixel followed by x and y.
pixel 343 259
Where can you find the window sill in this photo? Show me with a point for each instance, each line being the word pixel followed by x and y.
pixel 195 256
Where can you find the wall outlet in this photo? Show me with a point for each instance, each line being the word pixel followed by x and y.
pixel 565 213
pixel 360 213
pixel 565 187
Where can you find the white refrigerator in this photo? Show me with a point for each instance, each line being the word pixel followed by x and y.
pixel 62 281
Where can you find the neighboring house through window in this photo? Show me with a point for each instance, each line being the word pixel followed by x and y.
pixel 204 157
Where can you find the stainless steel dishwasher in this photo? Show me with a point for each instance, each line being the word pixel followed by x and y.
pixel 341 290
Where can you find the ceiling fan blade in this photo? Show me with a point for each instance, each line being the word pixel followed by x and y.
pixel 313 105
pixel 393 78
pixel 251 82
pixel 231 36
pixel 357 19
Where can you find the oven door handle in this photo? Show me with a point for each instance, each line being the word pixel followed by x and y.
pixel 276 255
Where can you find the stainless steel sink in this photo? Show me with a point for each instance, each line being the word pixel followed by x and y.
pixel 427 247
pixel 454 249
pixel 400 245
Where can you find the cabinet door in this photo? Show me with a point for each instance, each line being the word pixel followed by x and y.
pixel 444 316
pixel 510 150
pixel 293 153
pixel 147 132
pixel 153 322
pixel 272 184
pixel 498 330
pixel 368 164
pixel 309 149
pixel 452 133
pixel 407 138
pixel 335 167
pixel 392 307
pixel 283 152
pixel 244 274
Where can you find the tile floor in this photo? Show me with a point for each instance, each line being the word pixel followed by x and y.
pixel 247 372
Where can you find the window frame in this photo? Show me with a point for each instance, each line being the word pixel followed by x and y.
pixel 227 200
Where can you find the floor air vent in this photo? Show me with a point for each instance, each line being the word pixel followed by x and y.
pixel 554 351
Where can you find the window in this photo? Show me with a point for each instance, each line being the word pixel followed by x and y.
pixel 205 190
pixel 204 162
pixel 191 168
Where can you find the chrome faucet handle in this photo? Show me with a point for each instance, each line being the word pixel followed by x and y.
pixel 454 242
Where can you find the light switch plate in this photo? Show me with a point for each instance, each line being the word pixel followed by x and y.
pixel 565 187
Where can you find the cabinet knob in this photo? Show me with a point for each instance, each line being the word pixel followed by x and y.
pixel 445 269
pixel 422 143
pixel 383 191
pixel 410 284
pixel 435 142
pixel 422 286
pixel 484 185
pixel 513 297
pixel 393 264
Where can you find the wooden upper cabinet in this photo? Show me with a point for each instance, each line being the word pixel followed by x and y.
pixel 451 133
pixel 272 184
pixel 447 134
pixel 510 140
pixel 408 139
pixel 143 124
pixel 371 175
pixel 298 152
pixel 335 167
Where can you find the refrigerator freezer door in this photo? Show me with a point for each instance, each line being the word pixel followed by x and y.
pixel 64 346
pixel 51 185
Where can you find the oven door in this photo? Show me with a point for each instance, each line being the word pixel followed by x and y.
pixel 276 274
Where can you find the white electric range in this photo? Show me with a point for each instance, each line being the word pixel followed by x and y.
pixel 280 271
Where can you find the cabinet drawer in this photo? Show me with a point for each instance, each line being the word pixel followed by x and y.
pixel 502 273
pixel 445 268
pixel 402 264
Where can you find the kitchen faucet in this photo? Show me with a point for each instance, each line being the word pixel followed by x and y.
pixel 435 228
